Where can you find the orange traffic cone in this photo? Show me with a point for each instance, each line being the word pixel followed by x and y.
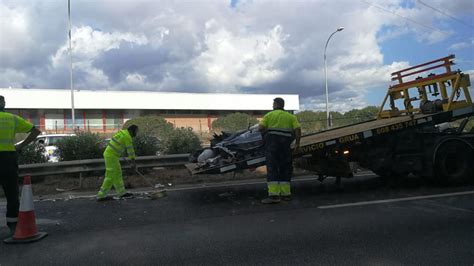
pixel 26 230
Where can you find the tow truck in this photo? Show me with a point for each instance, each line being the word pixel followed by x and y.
pixel 401 140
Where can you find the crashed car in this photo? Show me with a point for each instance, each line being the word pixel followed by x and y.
pixel 229 152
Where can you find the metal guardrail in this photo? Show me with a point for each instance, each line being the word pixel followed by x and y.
pixel 90 165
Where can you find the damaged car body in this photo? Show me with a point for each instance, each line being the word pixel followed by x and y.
pixel 243 149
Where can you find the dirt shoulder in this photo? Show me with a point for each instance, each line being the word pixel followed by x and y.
pixel 168 177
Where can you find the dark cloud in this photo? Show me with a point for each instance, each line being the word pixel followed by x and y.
pixel 204 46
pixel 117 63
pixel 294 83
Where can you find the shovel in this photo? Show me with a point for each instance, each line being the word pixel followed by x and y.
pixel 154 194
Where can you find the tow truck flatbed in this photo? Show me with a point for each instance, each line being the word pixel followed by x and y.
pixel 402 140
pixel 358 132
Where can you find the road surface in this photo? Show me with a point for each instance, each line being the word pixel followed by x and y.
pixel 368 223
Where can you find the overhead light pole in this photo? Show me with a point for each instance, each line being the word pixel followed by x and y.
pixel 326 76
pixel 73 125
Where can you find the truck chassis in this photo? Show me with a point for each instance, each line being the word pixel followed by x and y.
pixel 402 140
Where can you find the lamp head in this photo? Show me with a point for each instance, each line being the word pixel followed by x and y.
pixel 340 28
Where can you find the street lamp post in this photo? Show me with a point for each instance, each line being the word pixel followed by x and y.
pixel 70 66
pixel 326 75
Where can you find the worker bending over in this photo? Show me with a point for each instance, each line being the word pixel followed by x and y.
pixel 120 143
pixel 280 128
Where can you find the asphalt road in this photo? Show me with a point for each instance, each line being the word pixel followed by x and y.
pixel 226 225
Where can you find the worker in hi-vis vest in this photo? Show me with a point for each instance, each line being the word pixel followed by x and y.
pixel 280 128
pixel 120 143
pixel 11 124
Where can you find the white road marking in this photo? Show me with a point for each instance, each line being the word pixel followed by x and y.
pixel 362 203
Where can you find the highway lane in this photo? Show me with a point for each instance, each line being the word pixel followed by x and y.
pixel 225 224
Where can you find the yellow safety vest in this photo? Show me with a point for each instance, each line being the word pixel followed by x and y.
pixel 121 142
pixel 280 122
pixel 11 124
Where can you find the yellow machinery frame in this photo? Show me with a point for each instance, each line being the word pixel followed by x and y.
pixel 449 85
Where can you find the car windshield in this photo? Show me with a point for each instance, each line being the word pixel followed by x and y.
pixel 54 140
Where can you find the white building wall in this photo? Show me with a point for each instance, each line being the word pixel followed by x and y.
pixel 106 111
pixel 61 99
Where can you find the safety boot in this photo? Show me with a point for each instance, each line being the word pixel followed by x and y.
pixel 12 227
pixel 271 200
pixel 106 198
pixel 127 196
pixel 286 198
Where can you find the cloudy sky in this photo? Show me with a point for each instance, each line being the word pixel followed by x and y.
pixel 232 46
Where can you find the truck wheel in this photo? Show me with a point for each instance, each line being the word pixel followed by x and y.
pixel 453 162
pixel 384 173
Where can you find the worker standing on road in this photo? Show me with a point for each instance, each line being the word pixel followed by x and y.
pixel 11 124
pixel 281 128
pixel 120 142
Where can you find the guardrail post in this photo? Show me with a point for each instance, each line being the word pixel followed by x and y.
pixel 80 180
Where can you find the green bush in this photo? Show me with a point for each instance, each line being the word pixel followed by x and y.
pixel 151 125
pixel 145 145
pixel 315 121
pixel 156 134
pixel 361 115
pixel 183 140
pixel 234 122
pixel 32 153
pixel 311 121
pixel 85 145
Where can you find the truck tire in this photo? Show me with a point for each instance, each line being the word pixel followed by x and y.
pixel 453 161
pixel 384 173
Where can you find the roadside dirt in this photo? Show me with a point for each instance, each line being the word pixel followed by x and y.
pixel 165 176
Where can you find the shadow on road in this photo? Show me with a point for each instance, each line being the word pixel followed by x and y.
pixel 311 193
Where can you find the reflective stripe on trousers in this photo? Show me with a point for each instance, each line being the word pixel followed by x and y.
pixel 273 189
pixel 285 188
pixel 279 188
pixel 12 219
